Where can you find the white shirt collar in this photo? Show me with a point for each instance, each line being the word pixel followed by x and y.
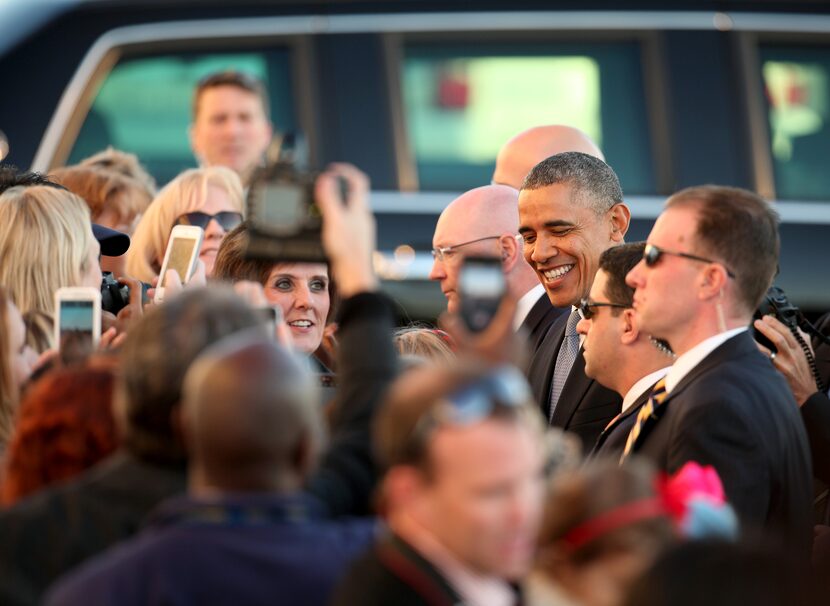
pixel 526 303
pixel 689 360
pixel 475 589
pixel 640 387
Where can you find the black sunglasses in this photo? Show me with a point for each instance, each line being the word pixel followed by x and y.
pixel 228 219
pixel 588 308
pixel 652 254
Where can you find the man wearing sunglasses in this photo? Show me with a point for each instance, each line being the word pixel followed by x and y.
pixel 484 221
pixel 570 211
pixel 617 353
pixel 710 258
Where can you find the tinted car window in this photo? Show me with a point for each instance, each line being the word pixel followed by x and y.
pixel 461 103
pixel 797 83
pixel 144 105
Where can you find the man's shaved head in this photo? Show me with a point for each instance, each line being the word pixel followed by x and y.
pixel 490 212
pixel 250 415
pixel 484 211
pixel 524 151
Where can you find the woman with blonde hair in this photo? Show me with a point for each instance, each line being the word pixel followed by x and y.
pixel 46 242
pixel 17 360
pixel 210 198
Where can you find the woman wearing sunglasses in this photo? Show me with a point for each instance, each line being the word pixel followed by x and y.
pixel 210 198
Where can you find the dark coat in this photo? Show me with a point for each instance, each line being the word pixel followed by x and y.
pixel 51 532
pixel 242 549
pixel 611 442
pixel 735 412
pixel 392 572
pixel 585 407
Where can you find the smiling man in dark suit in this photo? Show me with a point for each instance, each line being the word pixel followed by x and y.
pixel 570 211
pixel 710 258
pixel 617 353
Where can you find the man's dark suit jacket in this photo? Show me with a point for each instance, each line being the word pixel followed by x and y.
pixel 392 572
pixel 735 412
pixel 539 320
pixel 611 441
pixel 585 407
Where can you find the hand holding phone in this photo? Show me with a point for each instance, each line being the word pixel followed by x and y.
pixel 181 255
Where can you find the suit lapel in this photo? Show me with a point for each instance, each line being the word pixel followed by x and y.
pixel 732 349
pixel 572 393
pixel 540 372
pixel 615 422
pixel 737 346
pixel 537 313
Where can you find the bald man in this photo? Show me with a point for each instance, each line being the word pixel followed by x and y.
pixel 485 221
pixel 247 530
pixel 528 148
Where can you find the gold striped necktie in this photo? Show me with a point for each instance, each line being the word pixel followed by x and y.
pixel 658 394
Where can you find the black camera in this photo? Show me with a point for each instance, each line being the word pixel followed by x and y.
pixel 284 219
pixel 776 304
pixel 116 296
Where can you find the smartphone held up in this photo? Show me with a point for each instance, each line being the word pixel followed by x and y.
pixel 182 253
pixel 77 321
pixel 482 288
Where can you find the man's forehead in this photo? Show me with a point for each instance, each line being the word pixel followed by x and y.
pixel 453 228
pixel 225 98
pixel 452 440
pixel 598 286
pixel 552 199
pixel 674 227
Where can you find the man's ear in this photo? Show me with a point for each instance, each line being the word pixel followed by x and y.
pixel 619 216
pixel 630 330
pixel 712 281
pixel 510 252
pixel 402 485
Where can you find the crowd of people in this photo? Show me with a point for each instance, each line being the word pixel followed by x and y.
pixel 614 435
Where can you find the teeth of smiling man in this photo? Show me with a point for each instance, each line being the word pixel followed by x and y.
pixel 300 323
pixel 558 272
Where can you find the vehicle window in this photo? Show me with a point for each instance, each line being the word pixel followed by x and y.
pixel 144 105
pixel 797 83
pixel 461 105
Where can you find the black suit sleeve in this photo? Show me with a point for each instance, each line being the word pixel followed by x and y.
pixel 366 366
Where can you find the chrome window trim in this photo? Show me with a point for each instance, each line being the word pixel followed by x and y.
pixel 642 207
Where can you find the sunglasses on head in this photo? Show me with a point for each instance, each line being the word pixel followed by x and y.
pixel 504 388
pixel 228 219
pixel 588 308
pixel 652 254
